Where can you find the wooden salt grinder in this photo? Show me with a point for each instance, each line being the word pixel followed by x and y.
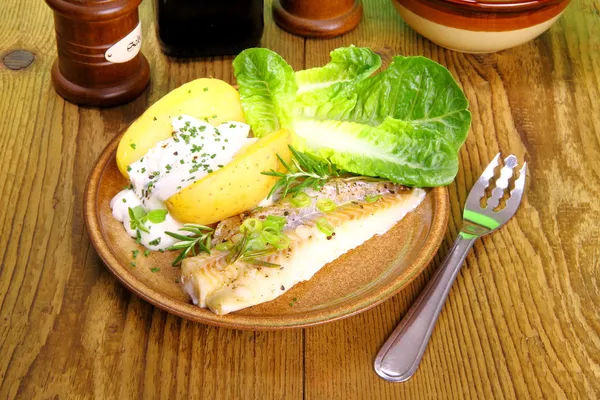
pixel 317 18
pixel 99 61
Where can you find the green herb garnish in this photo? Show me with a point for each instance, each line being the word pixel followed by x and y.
pixel 155 242
pixel 196 243
pixel 372 198
pixel 305 171
pixel 259 238
pixel 326 205
pixel 138 218
pixel 300 200
pixel 324 226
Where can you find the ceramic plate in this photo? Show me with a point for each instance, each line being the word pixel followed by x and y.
pixel 355 282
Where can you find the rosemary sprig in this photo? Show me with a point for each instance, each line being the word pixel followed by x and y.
pixel 200 240
pixel 305 171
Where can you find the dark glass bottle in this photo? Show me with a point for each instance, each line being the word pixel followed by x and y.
pixel 193 28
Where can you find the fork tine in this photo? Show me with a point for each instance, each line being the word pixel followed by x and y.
pixel 478 190
pixel 515 195
pixel 506 173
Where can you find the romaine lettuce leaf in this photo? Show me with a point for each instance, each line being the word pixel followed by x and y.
pixel 412 89
pixel 405 124
pixel 267 87
pixel 347 64
pixel 401 155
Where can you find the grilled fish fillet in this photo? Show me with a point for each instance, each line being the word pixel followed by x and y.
pixel 223 288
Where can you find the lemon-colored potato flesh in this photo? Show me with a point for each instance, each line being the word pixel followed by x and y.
pixel 237 187
pixel 213 99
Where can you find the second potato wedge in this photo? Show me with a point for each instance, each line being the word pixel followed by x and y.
pixel 235 188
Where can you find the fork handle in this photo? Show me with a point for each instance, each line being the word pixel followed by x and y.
pixel 399 357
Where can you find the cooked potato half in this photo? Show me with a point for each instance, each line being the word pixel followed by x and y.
pixel 213 99
pixel 235 188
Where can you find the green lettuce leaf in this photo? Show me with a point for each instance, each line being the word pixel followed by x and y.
pixel 393 150
pixel 405 124
pixel 347 64
pixel 412 89
pixel 267 87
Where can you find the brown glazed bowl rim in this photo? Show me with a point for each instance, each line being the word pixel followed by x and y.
pixel 499 6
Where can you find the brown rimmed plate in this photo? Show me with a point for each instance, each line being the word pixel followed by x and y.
pixel 355 282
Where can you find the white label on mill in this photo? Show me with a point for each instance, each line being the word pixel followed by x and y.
pixel 126 48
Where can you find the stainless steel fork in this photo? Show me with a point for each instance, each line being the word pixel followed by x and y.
pixel 399 357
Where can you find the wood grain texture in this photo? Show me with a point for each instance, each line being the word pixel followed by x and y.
pixel 521 321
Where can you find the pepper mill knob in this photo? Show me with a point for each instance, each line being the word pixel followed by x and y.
pixel 317 18
pixel 99 60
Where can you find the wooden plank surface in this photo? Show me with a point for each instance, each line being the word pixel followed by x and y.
pixel 521 321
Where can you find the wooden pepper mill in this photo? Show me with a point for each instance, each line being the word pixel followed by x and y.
pixel 317 18
pixel 99 61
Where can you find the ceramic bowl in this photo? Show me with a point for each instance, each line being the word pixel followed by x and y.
pixel 480 26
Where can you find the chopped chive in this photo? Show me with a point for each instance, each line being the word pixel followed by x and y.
pixel 372 198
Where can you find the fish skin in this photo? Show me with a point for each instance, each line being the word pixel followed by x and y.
pixel 340 191
pixel 225 288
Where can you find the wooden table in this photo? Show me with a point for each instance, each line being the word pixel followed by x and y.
pixel 522 318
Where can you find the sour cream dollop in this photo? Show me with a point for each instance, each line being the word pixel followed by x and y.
pixel 195 150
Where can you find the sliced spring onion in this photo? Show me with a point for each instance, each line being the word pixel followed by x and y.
pixel 223 246
pixel 275 221
pixel 270 236
pixel 300 200
pixel 324 226
pixel 372 198
pixel 283 243
pixel 326 205
pixel 251 225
